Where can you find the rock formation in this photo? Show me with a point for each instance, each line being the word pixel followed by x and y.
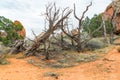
pixel 115 5
pixel 22 31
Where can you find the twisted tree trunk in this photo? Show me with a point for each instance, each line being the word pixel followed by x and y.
pixel 54 20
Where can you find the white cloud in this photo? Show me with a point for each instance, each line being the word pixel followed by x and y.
pixel 28 11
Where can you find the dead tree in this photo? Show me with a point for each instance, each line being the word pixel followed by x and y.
pixel 54 19
pixel 78 38
pixel 62 38
pixel 104 30
pixel 79 46
pixel 17 46
pixel 46 50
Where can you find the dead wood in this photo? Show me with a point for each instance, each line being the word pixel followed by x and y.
pixel 54 20
pixel 17 46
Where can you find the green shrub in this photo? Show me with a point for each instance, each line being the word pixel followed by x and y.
pixel 95 44
pixel 11 29
pixel 3 60
pixel 18 27
pixel 95 22
pixel 86 57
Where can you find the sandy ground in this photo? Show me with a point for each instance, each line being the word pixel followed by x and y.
pixel 107 68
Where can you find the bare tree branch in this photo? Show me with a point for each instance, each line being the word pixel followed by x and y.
pixel 79 46
pixel 54 19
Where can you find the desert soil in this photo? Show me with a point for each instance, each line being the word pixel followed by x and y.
pixel 106 68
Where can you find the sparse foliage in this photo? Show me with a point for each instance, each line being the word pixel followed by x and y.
pixel 95 23
pixel 10 31
pixel 57 19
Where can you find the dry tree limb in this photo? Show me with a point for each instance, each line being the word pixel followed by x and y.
pixel 54 19
pixel 17 47
pixel 79 46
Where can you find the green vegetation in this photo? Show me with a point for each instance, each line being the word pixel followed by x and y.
pixel 10 29
pixel 95 22
pixel 3 60
pixel 95 43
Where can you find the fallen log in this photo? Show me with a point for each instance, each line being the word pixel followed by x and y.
pixel 17 46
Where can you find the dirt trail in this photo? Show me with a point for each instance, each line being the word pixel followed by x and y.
pixel 107 68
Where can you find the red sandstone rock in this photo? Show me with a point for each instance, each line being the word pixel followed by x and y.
pixel 109 13
pixel 20 32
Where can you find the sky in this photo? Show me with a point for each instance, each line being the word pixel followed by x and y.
pixel 28 12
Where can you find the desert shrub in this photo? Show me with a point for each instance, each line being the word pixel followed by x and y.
pixel 4 40
pixel 94 23
pixel 86 57
pixel 61 65
pixel 70 59
pixel 66 59
pixel 95 44
pixel 3 59
pixel 10 29
pixel 51 74
pixel 3 49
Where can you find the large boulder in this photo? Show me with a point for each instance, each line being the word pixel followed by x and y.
pixel 108 13
pixel 95 44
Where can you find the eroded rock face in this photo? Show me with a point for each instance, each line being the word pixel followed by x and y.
pixel 22 31
pixel 109 13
